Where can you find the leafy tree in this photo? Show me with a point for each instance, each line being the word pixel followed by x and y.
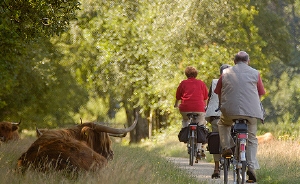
pixel 28 66
pixel 134 53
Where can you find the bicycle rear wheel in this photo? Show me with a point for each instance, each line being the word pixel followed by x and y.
pixel 241 172
pixel 192 150
pixel 226 169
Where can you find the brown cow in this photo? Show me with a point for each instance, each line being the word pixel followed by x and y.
pixel 84 147
pixel 266 138
pixel 9 131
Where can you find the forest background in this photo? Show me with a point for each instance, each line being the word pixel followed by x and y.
pixel 104 60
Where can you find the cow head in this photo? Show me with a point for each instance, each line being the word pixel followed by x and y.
pixel 97 136
pixel 9 131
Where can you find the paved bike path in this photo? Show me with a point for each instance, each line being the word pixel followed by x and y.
pixel 201 170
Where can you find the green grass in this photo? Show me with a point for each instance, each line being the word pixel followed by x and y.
pixel 146 163
pixel 279 159
pixel 131 165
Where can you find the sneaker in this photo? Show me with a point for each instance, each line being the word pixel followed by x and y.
pixel 227 153
pixel 252 176
pixel 203 154
pixel 198 157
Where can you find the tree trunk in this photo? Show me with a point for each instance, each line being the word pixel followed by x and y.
pixel 141 130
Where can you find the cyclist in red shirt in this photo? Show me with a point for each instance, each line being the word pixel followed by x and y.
pixel 193 95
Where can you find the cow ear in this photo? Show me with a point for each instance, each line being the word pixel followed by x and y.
pixel 14 127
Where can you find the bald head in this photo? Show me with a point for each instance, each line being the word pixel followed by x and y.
pixel 241 56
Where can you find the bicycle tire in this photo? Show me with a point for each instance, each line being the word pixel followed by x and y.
pixel 192 150
pixel 226 169
pixel 243 171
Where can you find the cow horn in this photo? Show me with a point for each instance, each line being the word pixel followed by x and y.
pixel 38 132
pixel 118 135
pixel 13 123
pixel 103 128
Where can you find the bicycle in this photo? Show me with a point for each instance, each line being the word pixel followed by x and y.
pixel 193 138
pixel 238 159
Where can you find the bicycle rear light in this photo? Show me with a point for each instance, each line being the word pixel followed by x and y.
pixel 193 127
pixel 242 136
pixel 242 147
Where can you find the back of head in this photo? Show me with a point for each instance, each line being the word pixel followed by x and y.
pixel 241 56
pixel 224 66
pixel 191 72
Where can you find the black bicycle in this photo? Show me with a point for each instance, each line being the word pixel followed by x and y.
pixel 238 159
pixel 192 138
pixel 196 134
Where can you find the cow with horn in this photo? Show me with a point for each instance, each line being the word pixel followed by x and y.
pixel 9 131
pixel 86 146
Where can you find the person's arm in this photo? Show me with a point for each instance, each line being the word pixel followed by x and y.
pixel 209 95
pixel 218 89
pixel 219 95
pixel 176 103
pixel 260 87
pixel 178 96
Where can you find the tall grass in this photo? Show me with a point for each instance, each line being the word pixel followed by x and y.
pixel 280 162
pixel 279 159
pixel 146 163
pixel 131 165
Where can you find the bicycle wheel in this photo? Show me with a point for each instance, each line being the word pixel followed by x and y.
pixel 192 150
pixel 243 171
pixel 226 169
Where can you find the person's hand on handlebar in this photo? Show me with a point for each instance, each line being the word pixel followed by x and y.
pixel 176 104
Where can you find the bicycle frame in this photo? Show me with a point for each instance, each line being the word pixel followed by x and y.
pixel 192 143
pixel 240 128
pixel 238 161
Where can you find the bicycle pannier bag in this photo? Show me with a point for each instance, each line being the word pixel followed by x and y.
pixel 213 142
pixel 202 133
pixel 183 135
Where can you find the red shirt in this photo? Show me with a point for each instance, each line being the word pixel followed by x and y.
pixel 192 93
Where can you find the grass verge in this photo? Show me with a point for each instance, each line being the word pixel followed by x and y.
pixel 131 165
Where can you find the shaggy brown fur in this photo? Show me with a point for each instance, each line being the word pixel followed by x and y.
pixel 9 131
pixel 83 147
pixel 60 152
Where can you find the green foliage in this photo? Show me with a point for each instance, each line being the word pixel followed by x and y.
pixel 34 86
pixel 131 55
pixel 30 19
